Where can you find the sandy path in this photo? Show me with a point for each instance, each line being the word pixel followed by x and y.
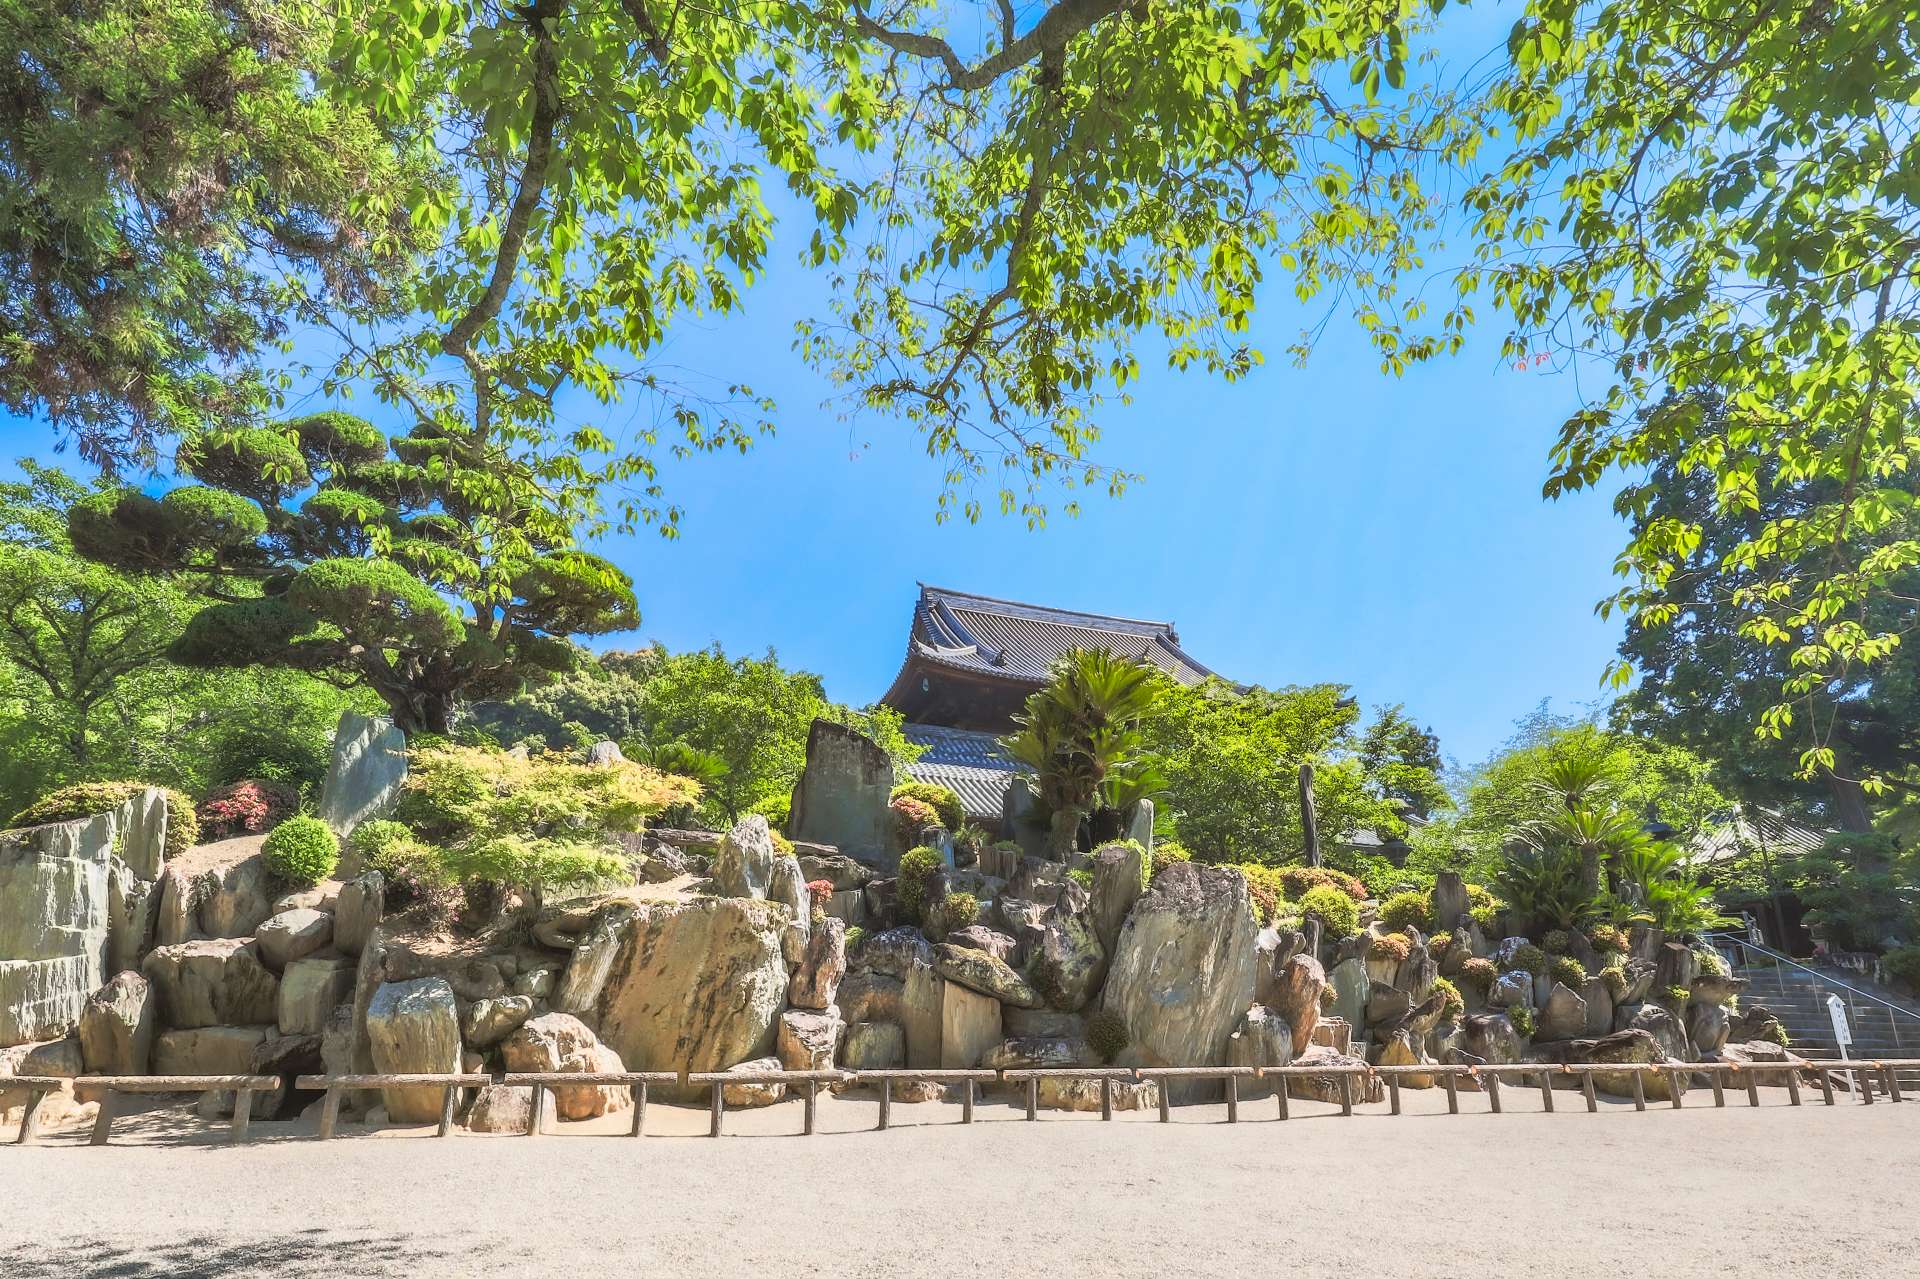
pixel 1776 1191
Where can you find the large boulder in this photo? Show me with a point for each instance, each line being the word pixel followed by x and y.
pixel 751 1092
pixel 1119 877
pixel 1327 1087
pixel 981 937
pixel 743 867
pixel 364 778
pixel 1351 988
pixel 1263 1038
pixel 1707 1026
pixel 875 1045
pixel 291 935
pixel 691 985
pixel 1294 996
pixel 1564 1015
pixel 1183 971
pixel 498 1108
pixel 1491 1037
pixel 116 1026
pixel 839 870
pixel 809 1040
pixel 1084 1094
pixel 1624 1047
pixel 174 919
pixel 1450 899
pixel 1401 1049
pixel 969 1026
pixel 1067 969
pixel 1664 1028
pixel 488 1021
pixel 842 795
pixel 816 979
pixel 979 971
pixel 208 1050
pixel 413 1028
pixel 234 899
pixel 870 996
pixel 1037 1052
pixel 559 1042
pixel 360 905
pixel 310 990
pixel 217 982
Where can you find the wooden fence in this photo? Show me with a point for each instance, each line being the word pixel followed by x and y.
pixel 1539 1075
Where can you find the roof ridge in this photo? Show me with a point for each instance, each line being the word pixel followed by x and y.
pixel 1046 611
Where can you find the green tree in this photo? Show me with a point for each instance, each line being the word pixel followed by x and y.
pixel 172 174
pixel 353 583
pixel 1232 758
pixel 1712 206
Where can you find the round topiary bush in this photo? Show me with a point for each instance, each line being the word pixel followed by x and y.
pixel 85 799
pixel 1407 910
pixel 1477 974
pixel 1522 1018
pixel 246 807
pixel 918 866
pixel 301 850
pixel 1568 971
pixel 1107 1034
pixel 1338 913
pixel 1607 939
pixel 1529 959
pixel 951 913
pixel 1167 853
pixel 910 817
pixel 1456 1005
pixel 1615 980
pixel 943 800
pixel 382 845
pixel 1556 942
pixel 1392 946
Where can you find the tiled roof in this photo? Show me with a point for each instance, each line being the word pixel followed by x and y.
pixel 1022 641
pixel 1748 830
pixel 968 763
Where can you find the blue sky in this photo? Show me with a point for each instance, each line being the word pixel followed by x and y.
pixel 1326 523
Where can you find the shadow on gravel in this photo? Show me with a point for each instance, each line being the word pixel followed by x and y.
pixel 313 1252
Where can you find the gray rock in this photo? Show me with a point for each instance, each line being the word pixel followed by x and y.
pixel 1662 1026
pixel 1084 1094
pixel 1450 900
pixel 212 983
pixel 235 899
pixel 413 1028
pixel 174 920
pixel 750 1092
pixel 208 1050
pixel 789 888
pixel 1707 1027
pixel 1183 973
pixel 293 934
pixel 116 1026
pixel 810 1040
pixel 497 1108
pixel 1599 1003
pixel 1620 1048
pixel 816 979
pixel 1327 1087
pixel 981 972
pixel 364 778
pixel 870 996
pixel 488 1021
pixel 310 989
pixel 841 798
pixel 1512 990
pixel 875 1045
pixel 838 869
pixel 1387 1005
pixel 1037 1052
pixel 896 952
pixel 536 983
pixel 743 867
pixel 1564 1016
pixel 1119 877
pixel 969 1026
pixel 1067 968
pixel 1351 987
pixel 358 909
pixel 1293 994
pixel 1043 1023
pixel 1490 1037
pixel 604 755
pixel 1712 988
pixel 559 1042
pixel 980 937
pixel 1263 1038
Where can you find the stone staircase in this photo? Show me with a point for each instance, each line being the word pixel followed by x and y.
pixel 1883 1024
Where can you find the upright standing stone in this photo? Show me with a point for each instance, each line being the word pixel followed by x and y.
pixel 368 768
pixel 359 907
pixel 55 923
pixel 414 1029
pixel 1119 877
pixel 116 1026
pixel 969 1026
pixel 1140 825
pixel 1351 986
pixel 744 865
pixel 841 798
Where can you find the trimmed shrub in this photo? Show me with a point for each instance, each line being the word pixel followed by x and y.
pixel 1263 886
pixel 1107 1034
pixel 777 809
pixel 1484 907
pixel 1615 980
pixel 1676 994
pixel 1438 943
pixel 383 845
pixel 1711 961
pixel 1328 998
pixel 1556 942
pixel 85 799
pixel 943 800
pixel 918 866
pixel 910 817
pixel 1297 880
pixel 950 913
pixel 246 807
pixel 1082 877
pixel 1456 1005
pixel 1902 963
pixel 1165 854
pixel 1522 1018
pixel 819 892
pixel 1477 975
pixel 1338 913
pixel 782 846
pixel 1528 958
pixel 1607 939
pixel 301 850
pixel 1394 946
pixel 855 936
pixel 1568 971
pixel 1407 910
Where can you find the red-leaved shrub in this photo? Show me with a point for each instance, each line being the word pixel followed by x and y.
pixel 246 807
pixel 820 891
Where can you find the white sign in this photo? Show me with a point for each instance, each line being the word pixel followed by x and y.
pixel 1837 1010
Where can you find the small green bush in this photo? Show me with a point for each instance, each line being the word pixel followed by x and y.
pixel 1777 1033
pixel 951 913
pixel 918 866
pixel 1477 975
pixel 1107 1034
pixel 1711 961
pixel 1556 942
pixel 1264 889
pixel 1328 998
pixel 782 846
pixel 1338 913
pixel 1483 906
pixel 1522 1018
pixel 970 839
pixel 910 817
pixel 1456 1005
pixel 1615 980
pixel 1528 958
pixel 1438 943
pixel 301 850
pixel 383 845
pixel 1299 880
pixel 1676 994
pixel 943 800
pixel 1568 971
pixel 1407 910
pixel 1607 939
pixel 1083 877
pixel 1165 854
pixel 855 936
pixel 85 799
pixel 1902 963
pixel 1394 946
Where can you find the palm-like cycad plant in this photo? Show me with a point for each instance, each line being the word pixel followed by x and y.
pixel 1081 737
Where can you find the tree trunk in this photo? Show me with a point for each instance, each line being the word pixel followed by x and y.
pixel 1849 803
pixel 1063 834
pixel 1309 820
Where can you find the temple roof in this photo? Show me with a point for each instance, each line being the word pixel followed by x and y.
pixel 1005 640
pixel 967 763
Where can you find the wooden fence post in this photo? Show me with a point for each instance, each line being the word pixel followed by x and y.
pixel 1280 1092
pixel 1346 1092
pixel 539 1106
pixel 1673 1088
pixel 813 1098
pixel 1891 1078
pixel 1493 1091
pixel 1453 1093
pixel 449 1101
pixel 886 1103
pixel 30 1118
pixel 103 1122
pixel 1826 1085
pixel 1233 1099
pixel 1719 1087
pixel 329 1113
pixel 719 1109
pixel 639 1109
pixel 242 1113
pixel 1393 1092
pixel 1033 1096
pixel 1586 1090
pixel 1166 1107
pixel 1793 1086
pixel 1546 1092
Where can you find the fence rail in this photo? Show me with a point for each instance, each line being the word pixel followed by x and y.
pixel 1448 1076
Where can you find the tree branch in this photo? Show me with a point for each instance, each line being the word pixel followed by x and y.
pixel 1057 26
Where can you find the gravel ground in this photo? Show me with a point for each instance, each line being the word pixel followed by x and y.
pixel 1775 1191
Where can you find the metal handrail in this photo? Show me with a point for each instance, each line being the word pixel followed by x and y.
pixel 1814 973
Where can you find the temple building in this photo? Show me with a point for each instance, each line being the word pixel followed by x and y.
pixel 970 665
